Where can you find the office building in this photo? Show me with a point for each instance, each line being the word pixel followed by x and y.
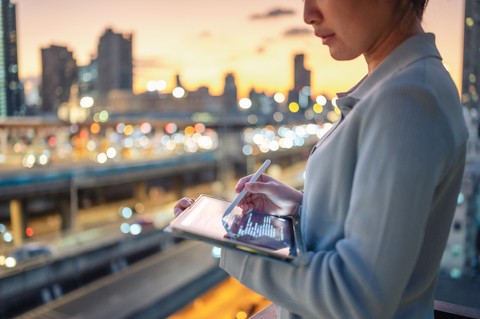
pixel 230 94
pixel 301 82
pixel 471 55
pixel 59 73
pixel 114 63
pixel 462 253
pixel 87 79
pixel 10 88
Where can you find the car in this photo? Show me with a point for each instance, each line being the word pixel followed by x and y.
pixel 137 225
pixel 31 251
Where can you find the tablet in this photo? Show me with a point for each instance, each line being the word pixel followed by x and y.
pixel 258 233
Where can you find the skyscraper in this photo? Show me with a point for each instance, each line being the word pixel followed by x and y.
pixel 230 94
pixel 87 79
pixel 10 97
pixel 462 253
pixel 471 55
pixel 115 62
pixel 59 73
pixel 301 82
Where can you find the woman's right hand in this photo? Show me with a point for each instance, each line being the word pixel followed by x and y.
pixel 270 196
pixel 182 204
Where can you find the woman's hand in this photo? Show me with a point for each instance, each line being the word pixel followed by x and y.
pixel 182 204
pixel 269 196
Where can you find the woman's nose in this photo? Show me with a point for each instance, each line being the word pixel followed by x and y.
pixel 311 14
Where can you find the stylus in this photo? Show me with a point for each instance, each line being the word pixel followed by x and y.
pixel 242 194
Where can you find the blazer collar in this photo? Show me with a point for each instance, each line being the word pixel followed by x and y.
pixel 417 47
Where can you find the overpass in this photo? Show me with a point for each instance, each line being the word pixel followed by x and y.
pixel 154 287
pixel 62 184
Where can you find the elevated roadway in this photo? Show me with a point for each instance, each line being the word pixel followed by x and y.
pixel 153 288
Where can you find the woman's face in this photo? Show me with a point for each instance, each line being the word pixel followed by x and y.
pixel 351 28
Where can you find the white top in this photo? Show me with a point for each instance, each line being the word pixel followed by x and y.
pixel 380 193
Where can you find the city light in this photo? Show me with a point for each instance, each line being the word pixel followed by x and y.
pixel 245 103
pixel 460 199
pixel 317 108
pixel 178 92
pixel 111 152
pixel 189 130
pixel 126 212
pixel 199 127
pixel 28 161
pixel 252 119
pixel 334 101
pixel 153 86
pixel 305 90
pixel 95 128
pixel 279 97
pixel 7 237
pixel 43 159
pixel 470 22
pixel 145 128
pixel 309 114
pixel 321 99
pixel 278 116
pixel 247 150
pixel 294 107
pixel 10 262
pixel 333 116
pixel 102 158
pixel 125 228
pixel 128 130
pixel 170 128
pixel 29 231
pixel 135 229
pixel 86 102
pixel 103 116
pixel 120 128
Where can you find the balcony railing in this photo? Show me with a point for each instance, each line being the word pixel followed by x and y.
pixel 443 310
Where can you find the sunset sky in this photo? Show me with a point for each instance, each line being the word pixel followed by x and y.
pixel 203 40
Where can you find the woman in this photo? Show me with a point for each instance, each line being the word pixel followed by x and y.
pixel 381 189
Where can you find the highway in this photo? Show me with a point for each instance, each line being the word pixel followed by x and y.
pixel 156 287
pixel 98 244
pixel 21 182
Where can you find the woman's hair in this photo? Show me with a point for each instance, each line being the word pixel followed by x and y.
pixel 419 7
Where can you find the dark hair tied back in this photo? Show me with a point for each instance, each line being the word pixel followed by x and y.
pixel 419 7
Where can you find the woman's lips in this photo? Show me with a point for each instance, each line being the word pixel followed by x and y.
pixel 326 39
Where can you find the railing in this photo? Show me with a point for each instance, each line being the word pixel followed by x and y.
pixel 443 310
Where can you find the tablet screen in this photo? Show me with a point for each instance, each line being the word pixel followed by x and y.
pixel 263 230
pixel 253 231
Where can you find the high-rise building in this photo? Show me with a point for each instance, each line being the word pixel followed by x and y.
pixel 301 82
pixel 10 89
pixel 114 62
pixel 301 74
pixel 87 79
pixel 59 73
pixel 230 94
pixel 462 253
pixel 471 55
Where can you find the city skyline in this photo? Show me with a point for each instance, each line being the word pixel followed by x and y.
pixel 203 41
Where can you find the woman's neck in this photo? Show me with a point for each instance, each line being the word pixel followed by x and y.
pixel 375 56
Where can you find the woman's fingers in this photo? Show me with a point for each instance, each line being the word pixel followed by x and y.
pixel 182 204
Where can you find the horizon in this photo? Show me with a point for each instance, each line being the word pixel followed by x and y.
pixel 255 42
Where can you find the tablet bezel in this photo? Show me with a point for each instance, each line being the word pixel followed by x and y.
pixel 248 248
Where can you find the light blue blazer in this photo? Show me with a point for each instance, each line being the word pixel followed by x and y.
pixel 379 196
